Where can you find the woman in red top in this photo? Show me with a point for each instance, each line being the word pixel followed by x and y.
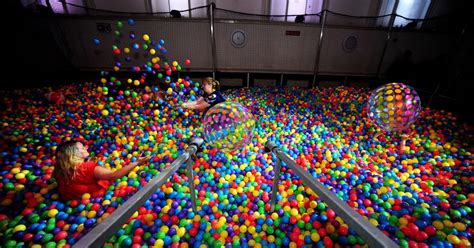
pixel 76 176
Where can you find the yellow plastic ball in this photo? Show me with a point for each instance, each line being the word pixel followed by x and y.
pixel 19 228
pixel 52 213
pixel 159 243
pixel 315 237
pixel 294 212
pixel 453 239
pixel 460 226
pixel 20 176
pixel 91 214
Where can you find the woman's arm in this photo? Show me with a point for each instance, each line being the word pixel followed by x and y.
pixel 102 173
pixel 198 104
pixel 200 99
pixel 188 104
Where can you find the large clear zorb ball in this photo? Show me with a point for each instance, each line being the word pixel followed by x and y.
pixel 393 106
pixel 228 126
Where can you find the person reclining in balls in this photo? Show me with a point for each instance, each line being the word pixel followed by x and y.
pixel 76 176
pixel 211 97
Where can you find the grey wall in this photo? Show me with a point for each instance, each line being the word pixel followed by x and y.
pixel 268 48
pixel 183 40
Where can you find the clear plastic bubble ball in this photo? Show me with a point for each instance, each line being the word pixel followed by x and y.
pixel 394 106
pixel 228 126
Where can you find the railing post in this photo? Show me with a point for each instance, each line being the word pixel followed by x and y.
pixel 276 180
pixel 388 37
pixel 320 44
pixel 192 193
pixel 212 6
pixel 248 79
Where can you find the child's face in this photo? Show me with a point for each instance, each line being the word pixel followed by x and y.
pixel 207 87
pixel 82 150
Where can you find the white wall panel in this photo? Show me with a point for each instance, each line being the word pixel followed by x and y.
pixel 183 40
pixel 363 60
pixel 268 48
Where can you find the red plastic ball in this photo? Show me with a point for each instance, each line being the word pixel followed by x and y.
pixel 56 97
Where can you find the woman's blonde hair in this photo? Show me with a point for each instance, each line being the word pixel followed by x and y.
pixel 67 159
pixel 214 83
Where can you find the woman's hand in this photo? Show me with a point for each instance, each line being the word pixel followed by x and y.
pixel 142 160
pixel 103 173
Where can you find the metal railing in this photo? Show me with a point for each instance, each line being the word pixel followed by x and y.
pixel 99 234
pixel 371 235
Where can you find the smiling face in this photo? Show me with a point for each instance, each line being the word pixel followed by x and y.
pixel 207 87
pixel 81 151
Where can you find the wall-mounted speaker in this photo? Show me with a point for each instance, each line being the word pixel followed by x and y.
pixel 350 43
pixel 238 38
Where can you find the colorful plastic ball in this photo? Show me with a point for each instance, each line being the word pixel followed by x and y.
pixel 146 37
pixel 187 62
pixel 131 35
pixel 228 126
pixel 119 24
pixel 19 228
pixel 56 97
pixel 96 41
pixel 393 106
pixel 131 22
